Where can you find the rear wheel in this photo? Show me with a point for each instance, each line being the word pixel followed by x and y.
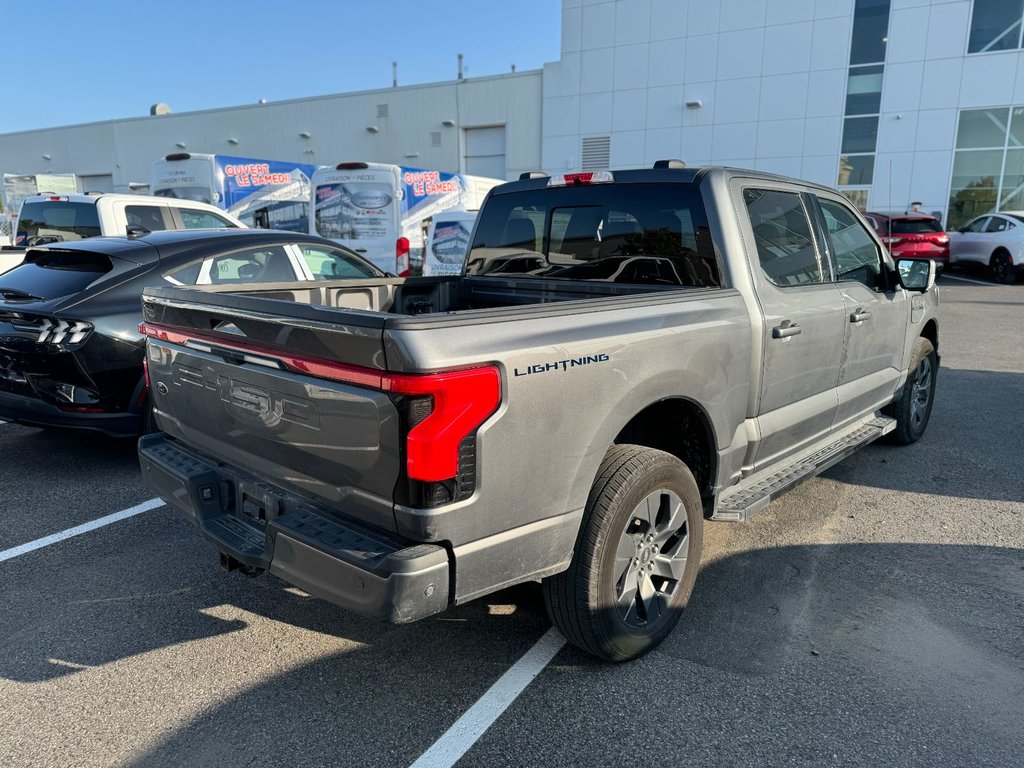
pixel 1002 267
pixel 637 557
pixel 913 407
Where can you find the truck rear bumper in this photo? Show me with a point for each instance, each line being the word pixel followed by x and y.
pixel 368 571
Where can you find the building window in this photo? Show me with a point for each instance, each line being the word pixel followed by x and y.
pixel 870 31
pixel 988 165
pixel 864 95
pixel 856 170
pixel 864 90
pixel 995 25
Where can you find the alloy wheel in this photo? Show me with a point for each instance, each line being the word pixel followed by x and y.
pixel 650 558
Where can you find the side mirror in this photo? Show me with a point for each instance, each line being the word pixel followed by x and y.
pixel 135 230
pixel 916 274
pixel 961 230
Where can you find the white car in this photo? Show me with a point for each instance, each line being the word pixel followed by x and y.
pixel 995 239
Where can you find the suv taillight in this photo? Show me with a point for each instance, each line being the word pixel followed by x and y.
pixel 402 257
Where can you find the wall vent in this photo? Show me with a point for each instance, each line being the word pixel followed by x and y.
pixel 595 153
pixel 435 138
pixel 382 110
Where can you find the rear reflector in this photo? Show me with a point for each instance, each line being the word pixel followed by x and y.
pixel 575 179
pixel 462 399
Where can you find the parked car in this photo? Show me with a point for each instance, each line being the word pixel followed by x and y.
pixel 912 236
pixel 45 219
pixel 71 354
pixel 691 343
pixel 995 240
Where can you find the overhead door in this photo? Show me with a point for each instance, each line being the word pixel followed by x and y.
pixel 98 183
pixel 485 152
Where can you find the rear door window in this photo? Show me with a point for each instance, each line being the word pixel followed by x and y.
pixel 266 264
pixel 782 233
pixel 639 233
pixel 327 263
pixel 56 221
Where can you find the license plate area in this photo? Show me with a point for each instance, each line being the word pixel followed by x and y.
pixel 257 504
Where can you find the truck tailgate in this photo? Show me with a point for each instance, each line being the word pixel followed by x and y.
pixel 245 385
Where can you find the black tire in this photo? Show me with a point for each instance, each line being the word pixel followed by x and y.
pixel 913 406
pixel 593 603
pixel 1002 268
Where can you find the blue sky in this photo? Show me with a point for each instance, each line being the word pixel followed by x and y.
pixel 72 61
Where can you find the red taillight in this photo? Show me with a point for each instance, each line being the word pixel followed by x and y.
pixel 402 257
pixel 461 400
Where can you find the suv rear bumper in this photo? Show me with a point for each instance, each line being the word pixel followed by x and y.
pixel 367 571
pixel 33 412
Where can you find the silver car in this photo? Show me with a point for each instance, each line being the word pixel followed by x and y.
pixel 995 239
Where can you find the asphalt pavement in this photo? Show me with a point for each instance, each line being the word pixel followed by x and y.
pixel 873 616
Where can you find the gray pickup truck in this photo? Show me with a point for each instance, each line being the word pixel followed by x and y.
pixel 624 356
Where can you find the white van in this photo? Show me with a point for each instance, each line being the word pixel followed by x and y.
pixel 378 209
pixel 448 242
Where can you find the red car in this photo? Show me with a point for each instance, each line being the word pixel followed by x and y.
pixel 912 236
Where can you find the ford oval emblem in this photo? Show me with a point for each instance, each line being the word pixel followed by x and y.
pixel 371 199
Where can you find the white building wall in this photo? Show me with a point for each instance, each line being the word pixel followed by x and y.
pixel 771 76
pixel 336 124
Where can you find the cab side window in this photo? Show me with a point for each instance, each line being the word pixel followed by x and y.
pixel 978 225
pixel 149 217
pixel 193 219
pixel 854 250
pixel 996 224
pixel 782 233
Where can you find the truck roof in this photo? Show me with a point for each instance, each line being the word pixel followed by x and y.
pixel 663 174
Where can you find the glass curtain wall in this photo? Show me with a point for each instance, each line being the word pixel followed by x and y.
pixel 995 25
pixel 988 164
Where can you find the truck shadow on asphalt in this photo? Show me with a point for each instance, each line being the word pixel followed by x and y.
pixel 770 635
pixel 975 418
pixel 875 618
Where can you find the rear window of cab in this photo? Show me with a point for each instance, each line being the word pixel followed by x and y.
pixel 650 233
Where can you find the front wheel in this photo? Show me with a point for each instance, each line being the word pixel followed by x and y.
pixel 913 407
pixel 636 559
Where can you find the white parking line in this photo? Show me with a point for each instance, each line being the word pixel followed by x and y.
pixel 967 280
pixel 92 525
pixel 467 730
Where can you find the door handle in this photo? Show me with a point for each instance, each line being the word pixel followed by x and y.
pixel 786 329
pixel 859 315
